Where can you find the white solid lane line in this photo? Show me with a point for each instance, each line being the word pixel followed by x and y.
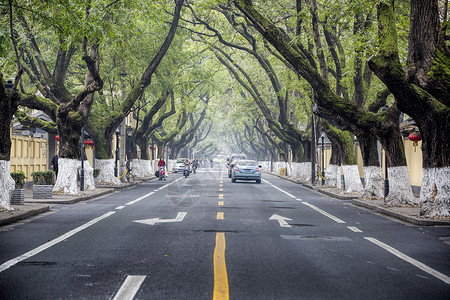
pixel 140 198
pixel 47 245
pixel 336 219
pixel 290 195
pixel 411 260
pixel 354 229
pixel 130 287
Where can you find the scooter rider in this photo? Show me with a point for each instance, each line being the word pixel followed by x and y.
pixel 187 167
pixel 195 165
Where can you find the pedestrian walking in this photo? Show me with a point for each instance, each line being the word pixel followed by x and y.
pixel 54 163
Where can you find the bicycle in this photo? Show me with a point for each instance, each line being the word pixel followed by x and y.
pixel 128 176
pixel 319 175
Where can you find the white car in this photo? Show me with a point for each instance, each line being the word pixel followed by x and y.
pixel 179 165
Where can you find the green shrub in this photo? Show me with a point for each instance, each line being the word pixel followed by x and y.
pixel 19 178
pixel 96 172
pixel 43 177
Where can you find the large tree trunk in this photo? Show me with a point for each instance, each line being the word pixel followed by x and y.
pixel 9 101
pixel 422 92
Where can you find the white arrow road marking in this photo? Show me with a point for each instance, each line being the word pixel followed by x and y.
pixel 153 221
pixel 130 287
pixel 281 220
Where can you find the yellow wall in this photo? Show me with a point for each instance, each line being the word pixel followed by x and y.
pixel 28 154
pixel 414 161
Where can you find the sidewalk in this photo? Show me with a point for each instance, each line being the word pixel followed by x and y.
pixel 34 207
pixel 406 214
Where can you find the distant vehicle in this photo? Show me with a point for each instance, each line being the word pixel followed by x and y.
pixel 232 159
pixel 179 165
pixel 244 169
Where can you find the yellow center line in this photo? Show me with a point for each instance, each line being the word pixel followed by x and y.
pixel 221 290
pixel 220 202
pixel 220 190
pixel 220 184
pixel 220 196
pixel 220 216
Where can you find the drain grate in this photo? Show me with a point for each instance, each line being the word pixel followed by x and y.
pixel 283 207
pixel 316 238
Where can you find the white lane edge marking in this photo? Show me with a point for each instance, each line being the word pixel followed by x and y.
pixel 354 229
pixel 130 287
pixel 51 243
pixel 411 260
pixel 140 198
pixel 151 193
pixel 283 191
pixel 336 219
pixel 120 207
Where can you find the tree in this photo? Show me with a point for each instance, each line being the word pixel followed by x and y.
pixel 422 90
pixel 342 110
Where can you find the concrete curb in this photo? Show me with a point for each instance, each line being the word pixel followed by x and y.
pixel 401 216
pixel 29 213
pixel 75 199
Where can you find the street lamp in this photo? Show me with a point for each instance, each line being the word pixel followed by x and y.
pixel 117 151
pixel 82 160
pixel 322 135
pixel 129 134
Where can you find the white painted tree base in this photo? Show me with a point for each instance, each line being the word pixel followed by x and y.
pixel 138 169
pixel 66 182
pixel 352 179
pixel 374 182
pixel 7 185
pixel 146 166
pixel 106 175
pixel 400 192
pixel 435 192
pixel 89 184
pixel 332 175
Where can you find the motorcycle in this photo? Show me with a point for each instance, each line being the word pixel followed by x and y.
pixel 186 171
pixel 162 173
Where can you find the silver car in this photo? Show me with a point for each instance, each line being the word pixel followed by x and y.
pixel 244 169
pixel 179 165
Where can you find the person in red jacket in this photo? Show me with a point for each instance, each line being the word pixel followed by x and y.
pixel 161 162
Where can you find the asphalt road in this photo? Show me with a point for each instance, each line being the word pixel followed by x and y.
pixel 204 237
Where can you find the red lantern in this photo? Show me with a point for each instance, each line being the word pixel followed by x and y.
pixel 57 137
pixel 415 137
pixel 89 143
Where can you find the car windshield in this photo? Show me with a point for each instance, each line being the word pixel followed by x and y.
pixel 180 161
pixel 247 163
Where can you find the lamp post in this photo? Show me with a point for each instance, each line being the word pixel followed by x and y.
pixel 117 152
pixel 82 160
pixel 129 134
pixel 322 135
